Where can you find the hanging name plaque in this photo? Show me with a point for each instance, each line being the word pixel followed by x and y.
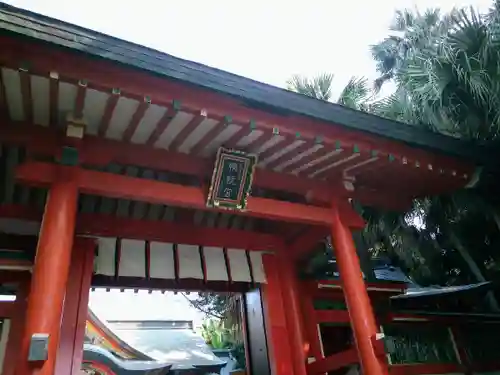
pixel 231 179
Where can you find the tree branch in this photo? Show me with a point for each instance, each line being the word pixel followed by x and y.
pixel 199 308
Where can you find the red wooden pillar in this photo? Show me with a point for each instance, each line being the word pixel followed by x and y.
pixel 70 352
pixel 293 314
pixel 280 355
pixel 358 303
pixel 16 328
pixel 50 274
pixel 311 328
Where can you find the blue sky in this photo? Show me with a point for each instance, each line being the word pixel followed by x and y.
pixel 265 40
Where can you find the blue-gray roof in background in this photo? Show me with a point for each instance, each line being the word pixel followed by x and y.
pixel 391 273
pixel 183 348
pixel 441 291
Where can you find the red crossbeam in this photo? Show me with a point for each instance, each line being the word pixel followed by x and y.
pixel 116 186
pixel 162 231
pixel 101 152
pixel 333 362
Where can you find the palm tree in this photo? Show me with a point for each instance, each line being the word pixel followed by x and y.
pixel 319 87
pixel 355 94
pixel 446 71
pixel 411 33
pixel 449 82
pixel 385 231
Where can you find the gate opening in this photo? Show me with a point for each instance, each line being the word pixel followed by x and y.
pixel 174 332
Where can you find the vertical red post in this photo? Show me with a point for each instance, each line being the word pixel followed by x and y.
pixel 280 355
pixel 50 273
pixel 83 306
pixel 69 355
pixel 311 328
pixel 358 303
pixel 293 315
pixel 16 328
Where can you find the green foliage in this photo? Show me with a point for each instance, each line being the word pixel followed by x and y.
pixel 215 334
pixel 420 344
pixel 329 305
pixel 446 68
pixel 319 87
pixel 88 369
pixel 214 305
pixel 356 94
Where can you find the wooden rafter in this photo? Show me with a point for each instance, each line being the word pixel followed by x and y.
pixel 106 75
pixel 26 95
pixel 198 148
pixel 80 100
pixel 108 112
pixel 134 122
pixel 187 130
pixel 162 125
pixel 54 99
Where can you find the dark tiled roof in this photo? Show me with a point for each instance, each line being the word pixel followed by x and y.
pixel 182 348
pixel 390 274
pixel 445 291
pixel 251 93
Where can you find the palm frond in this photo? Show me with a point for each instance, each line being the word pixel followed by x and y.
pixel 355 93
pixel 319 87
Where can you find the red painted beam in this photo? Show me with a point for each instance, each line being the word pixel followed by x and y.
pixel 162 231
pixel 8 276
pixel 485 367
pixel 326 288
pixel 101 152
pixel 116 186
pixel 21 212
pixel 331 316
pixel 342 316
pixel 106 75
pixel 7 309
pixel 96 151
pixel 333 362
pixel 306 241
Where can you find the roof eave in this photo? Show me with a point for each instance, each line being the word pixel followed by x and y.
pixel 253 94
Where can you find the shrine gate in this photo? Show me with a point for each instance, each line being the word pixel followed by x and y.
pixel 153 172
